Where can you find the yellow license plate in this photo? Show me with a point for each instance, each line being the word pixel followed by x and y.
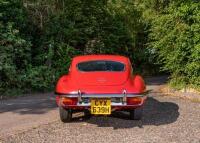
pixel 101 106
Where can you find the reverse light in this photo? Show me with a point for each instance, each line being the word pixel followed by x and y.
pixel 69 101
pixel 134 100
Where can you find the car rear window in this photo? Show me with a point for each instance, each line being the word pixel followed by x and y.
pixel 100 65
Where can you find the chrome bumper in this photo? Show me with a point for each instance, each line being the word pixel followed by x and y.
pixel 84 99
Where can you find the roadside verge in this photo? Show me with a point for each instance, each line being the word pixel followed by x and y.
pixel 190 94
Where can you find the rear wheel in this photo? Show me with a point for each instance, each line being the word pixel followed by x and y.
pixel 65 114
pixel 136 114
pixel 87 114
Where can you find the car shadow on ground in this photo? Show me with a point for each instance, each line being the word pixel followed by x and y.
pixel 29 105
pixel 155 113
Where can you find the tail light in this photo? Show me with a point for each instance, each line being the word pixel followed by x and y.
pixel 68 101
pixel 134 100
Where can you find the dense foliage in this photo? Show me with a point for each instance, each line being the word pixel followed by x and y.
pixel 38 38
pixel 15 45
pixel 175 37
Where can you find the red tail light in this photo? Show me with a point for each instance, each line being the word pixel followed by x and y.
pixel 69 101
pixel 134 100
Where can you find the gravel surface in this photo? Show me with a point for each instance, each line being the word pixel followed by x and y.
pixel 166 119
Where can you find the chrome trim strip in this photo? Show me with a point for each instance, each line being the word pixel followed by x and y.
pixel 122 104
pixel 125 96
pixel 104 95
pixel 75 94
pixel 79 96
pixel 112 105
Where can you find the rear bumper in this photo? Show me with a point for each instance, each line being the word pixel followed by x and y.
pixel 118 101
pixel 113 107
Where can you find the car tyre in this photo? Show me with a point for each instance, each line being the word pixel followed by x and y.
pixel 87 114
pixel 65 114
pixel 136 114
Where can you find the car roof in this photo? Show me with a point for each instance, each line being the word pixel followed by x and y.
pixel 82 58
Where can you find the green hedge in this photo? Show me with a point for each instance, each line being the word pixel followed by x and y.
pixel 39 38
pixel 175 35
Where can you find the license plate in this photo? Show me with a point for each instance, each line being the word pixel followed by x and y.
pixel 101 106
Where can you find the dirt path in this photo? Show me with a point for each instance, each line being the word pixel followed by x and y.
pixel 166 119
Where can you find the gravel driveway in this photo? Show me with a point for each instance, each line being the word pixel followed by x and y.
pixel 166 119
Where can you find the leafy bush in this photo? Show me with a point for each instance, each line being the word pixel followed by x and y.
pixel 39 38
pixel 17 69
pixel 39 78
pixel 91 27
pixel 14 46
pixel 175 35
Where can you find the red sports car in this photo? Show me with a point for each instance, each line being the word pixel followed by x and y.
pixel 100 84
